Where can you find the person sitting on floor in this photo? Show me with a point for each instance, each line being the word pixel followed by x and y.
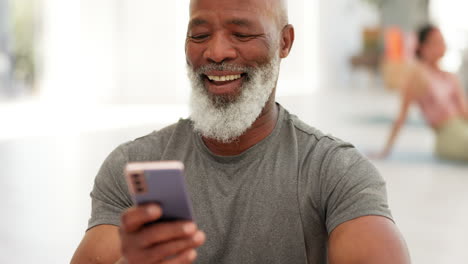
pixel 439 96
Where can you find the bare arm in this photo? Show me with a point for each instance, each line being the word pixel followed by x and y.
pixel 407 99
pixel 163 242
pixel 367 240
pixel 100 244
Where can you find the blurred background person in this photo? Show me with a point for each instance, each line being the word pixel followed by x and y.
pixel 439 96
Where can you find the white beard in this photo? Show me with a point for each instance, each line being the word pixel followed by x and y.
pixel 226 119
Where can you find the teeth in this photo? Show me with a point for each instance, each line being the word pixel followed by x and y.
pixel 224 78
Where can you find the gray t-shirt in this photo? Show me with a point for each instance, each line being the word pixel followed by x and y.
pixel 277 202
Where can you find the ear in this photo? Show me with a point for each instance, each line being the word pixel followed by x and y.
pixel 287 40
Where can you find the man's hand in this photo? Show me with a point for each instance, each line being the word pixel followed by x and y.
pixel 165 242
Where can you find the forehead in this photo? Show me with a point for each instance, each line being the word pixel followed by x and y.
pixel 248 9
pixel 196 5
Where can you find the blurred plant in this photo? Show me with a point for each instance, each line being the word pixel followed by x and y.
pixel 23 28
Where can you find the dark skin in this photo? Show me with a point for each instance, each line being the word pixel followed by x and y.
pixel 245 33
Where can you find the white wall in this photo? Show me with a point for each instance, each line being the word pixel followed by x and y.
pixel 61 49
pixel 341 24
pixel 300 73
pixel 450 15
pixel 79 51
pixel 148 38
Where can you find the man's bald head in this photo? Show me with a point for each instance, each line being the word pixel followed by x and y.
pixel 276 9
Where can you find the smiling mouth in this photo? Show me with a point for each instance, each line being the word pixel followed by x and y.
pixel 225 79
pixel 224 85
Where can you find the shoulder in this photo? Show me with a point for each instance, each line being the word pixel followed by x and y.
pixel 319 149
pixel 418 80
pixel 334 174
pixel 153 145
pixel 307 132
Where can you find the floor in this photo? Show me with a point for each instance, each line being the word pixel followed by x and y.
pixel 48 160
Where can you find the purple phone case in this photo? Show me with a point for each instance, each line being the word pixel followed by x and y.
pixel 167 188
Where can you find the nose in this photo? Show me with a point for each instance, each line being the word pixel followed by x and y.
pixel 220 49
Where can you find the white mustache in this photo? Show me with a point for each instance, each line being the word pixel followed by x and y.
pixel 223 67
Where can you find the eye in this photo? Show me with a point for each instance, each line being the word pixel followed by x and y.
pixel 199 37
pixel 243 36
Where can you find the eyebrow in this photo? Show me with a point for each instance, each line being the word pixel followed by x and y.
pixel 197 22
pixel 235 21
pixel 240 22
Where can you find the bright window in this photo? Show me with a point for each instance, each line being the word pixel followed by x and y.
pixel 451 16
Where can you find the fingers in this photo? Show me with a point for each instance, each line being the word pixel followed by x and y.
pixel 165 242
pixel 134 218
pixel 187 256
pixel 163 232
pixel 174 248
pixel 170 251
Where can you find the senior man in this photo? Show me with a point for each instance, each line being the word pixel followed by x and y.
pixel 265 187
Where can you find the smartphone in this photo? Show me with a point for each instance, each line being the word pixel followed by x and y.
pixel 160 182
